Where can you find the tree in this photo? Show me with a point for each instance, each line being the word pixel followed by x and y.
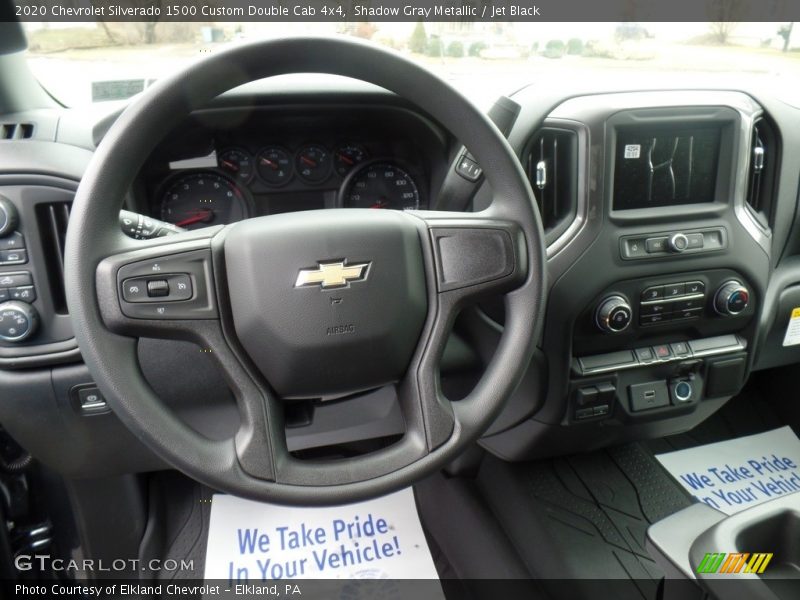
pixel 786 33
pixel 724 17
pixel 418 42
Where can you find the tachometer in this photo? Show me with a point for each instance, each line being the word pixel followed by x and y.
pixel 380 184
pixel 202 199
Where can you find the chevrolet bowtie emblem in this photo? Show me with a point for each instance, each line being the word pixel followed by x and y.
pixel 331 275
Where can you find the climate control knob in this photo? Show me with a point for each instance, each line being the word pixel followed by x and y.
pixel 731 298
pixel 614 314
pixel 18 321
pixel 8 217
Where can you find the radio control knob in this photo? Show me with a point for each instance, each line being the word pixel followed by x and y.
pixel 18 321
pixel 731 298
pixel 8 217
pixel 614 314
pixel 677 242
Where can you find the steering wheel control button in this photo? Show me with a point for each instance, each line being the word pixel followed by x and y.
pixel 614 314
pixel 186 278
pixel 731 299
pixel 647 396
pixel 677 242
pixel 157 288
pixel 18 321
pixel 468 169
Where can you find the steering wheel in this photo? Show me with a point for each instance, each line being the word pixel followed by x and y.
pixel 313 304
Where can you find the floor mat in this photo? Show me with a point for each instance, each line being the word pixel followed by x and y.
pixel 577 520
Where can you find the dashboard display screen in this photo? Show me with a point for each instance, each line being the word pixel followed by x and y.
pixel 665 167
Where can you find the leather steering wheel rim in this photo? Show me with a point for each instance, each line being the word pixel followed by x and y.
pixel 254 464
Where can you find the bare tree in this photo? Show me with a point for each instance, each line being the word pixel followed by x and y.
pixel 724 16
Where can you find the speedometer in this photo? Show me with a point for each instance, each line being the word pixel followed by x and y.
pixel 380 184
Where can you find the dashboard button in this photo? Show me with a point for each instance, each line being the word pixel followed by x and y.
pixel 695 241
pixel 645 355
pixel 695 287
pixel 25 294
pixel 634 248
pixel 674 289
pixel 656 245
pixel 662 351
pixel 653 319
pixel 8 280
pixel 653 293
pixel 13 257
pixel 680 348
pixel 656 308
pixel 3 294
pixel 681 305
pixel 12 242
pixel 677 242
pixel 685 315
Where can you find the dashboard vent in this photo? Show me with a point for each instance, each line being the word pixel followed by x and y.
pixel 761 175
pixel 16 131
pixel 552 170
pixel 52 220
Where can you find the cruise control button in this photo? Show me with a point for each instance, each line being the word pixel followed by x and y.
pixel 653 293
pixel 134 290
pixel 674 289
pixel 180 287
pixel 157 288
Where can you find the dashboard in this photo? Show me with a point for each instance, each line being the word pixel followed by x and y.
pixel 670 221
pixel 225 166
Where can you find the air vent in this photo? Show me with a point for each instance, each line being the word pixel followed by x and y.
pixel 761 176
pixel 552 170
pixel 16 131
pixel 52 220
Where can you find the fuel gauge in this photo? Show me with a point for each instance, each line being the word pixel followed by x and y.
pixel 347 156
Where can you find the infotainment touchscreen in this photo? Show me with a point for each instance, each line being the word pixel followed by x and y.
pixel 665 167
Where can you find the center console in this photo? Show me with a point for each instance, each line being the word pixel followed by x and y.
pixel 654 302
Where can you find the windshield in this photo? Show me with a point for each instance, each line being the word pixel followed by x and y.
pixel 82 63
